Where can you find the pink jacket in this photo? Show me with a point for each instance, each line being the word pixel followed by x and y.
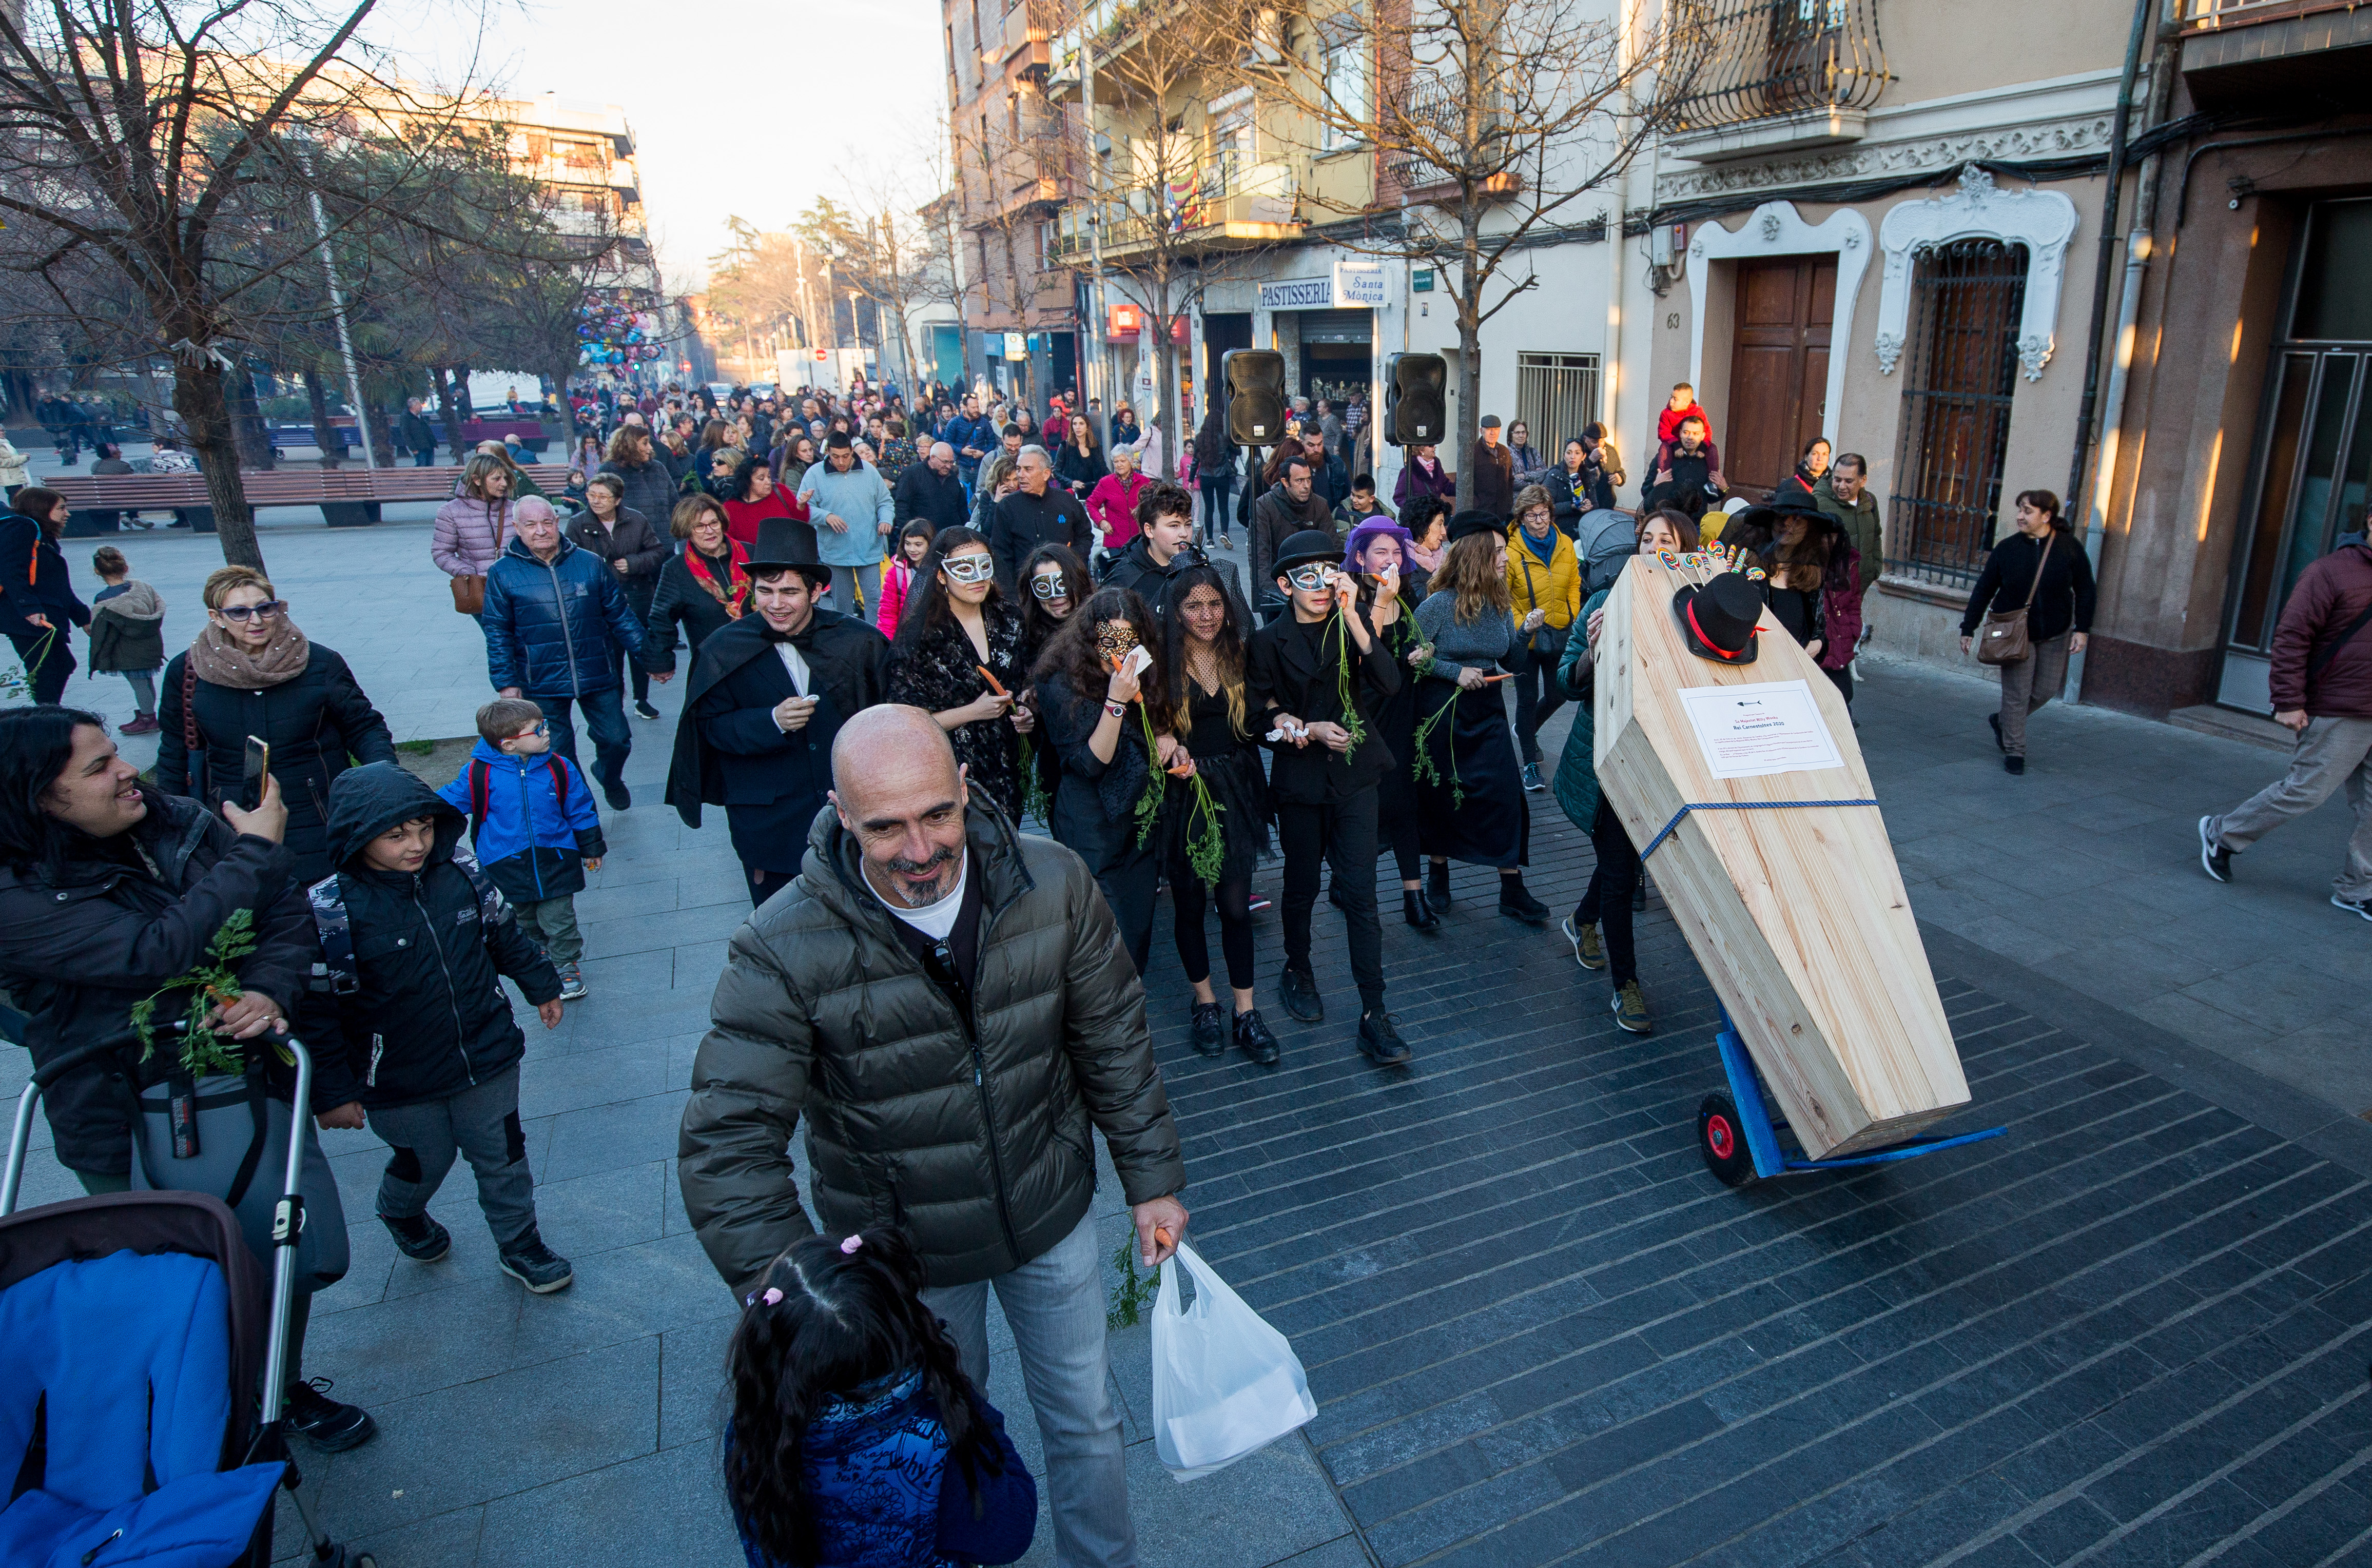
pixel 1113 504
pixel 470 535
pixel 897 582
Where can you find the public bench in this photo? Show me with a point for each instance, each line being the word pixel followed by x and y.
pixel 349 498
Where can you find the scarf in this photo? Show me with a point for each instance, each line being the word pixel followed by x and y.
pixel 219 658
pixel 1427 561
pixel 734 593
pixel 1542 550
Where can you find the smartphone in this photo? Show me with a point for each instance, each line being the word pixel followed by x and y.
pixel 253 774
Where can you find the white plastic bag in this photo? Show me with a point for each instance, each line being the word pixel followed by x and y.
pixel 1225 1384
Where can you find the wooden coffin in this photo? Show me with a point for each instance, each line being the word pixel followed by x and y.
pixel 1798 915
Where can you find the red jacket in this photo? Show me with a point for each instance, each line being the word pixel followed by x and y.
pixel 742 518
pixel 1668 424
pixel 2328 596
pixel 1113 503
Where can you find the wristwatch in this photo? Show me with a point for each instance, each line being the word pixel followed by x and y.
pixel 1117 710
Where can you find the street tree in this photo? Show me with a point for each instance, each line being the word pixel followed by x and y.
pixel 1491 123
pixel 159 167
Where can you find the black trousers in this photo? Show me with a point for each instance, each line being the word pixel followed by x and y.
pixel 1232 898
pixel 635 671
pixel 1537 698
pixel 1608 903
pixel 764 884
pixel 1342 836
pixel 48 658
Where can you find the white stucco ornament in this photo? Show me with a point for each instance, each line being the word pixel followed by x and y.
pixel 1776 228
pixel 2043 221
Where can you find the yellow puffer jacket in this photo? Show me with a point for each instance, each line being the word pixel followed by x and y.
pixel 1555 588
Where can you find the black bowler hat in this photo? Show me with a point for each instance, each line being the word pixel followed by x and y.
pixel 1473 521
pixel 785 541
pixel 1717 619
pixel 1301 548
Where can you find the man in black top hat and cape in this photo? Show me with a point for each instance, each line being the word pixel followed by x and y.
pixel 769 690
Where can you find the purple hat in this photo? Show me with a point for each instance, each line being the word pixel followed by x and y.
pixel 1370 530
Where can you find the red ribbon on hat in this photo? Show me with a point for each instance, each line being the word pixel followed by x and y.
pixel 1689 610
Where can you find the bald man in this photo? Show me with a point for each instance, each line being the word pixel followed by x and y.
pixel 930 490
pixel 950 1004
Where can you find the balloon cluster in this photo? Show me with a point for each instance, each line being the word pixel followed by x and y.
pixel 612 334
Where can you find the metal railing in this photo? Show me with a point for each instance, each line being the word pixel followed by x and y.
pixel 1133 217
pixel 1966 298
pixel 1741 60
pixel 2206 16
pixel 1437 107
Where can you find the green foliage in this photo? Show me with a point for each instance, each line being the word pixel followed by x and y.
pixel 1136 1291
pixel 1157 783
pixel 1206 851
pixel 1034 802
pixel 1422 768
pixel 417 747
pixel 1347 683
pixel 207 985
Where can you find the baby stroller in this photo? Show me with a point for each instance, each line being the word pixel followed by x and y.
pixel 136 1334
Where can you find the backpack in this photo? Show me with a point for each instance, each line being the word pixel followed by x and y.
pixel 328 897
pixel 481 782
pixel 1604 539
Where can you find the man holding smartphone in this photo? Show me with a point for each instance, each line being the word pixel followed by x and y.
pixel 768 694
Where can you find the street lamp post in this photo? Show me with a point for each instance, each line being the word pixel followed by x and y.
pixel 1102 356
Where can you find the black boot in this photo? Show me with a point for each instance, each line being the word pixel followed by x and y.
pixel 1518 903
pixel 1208 1036
pixel 1436 885
pixel 1381 1039
pixel 1417 911
pixel 1253 1039
pixel 1299 988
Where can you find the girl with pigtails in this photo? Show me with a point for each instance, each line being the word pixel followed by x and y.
pixel 856 1437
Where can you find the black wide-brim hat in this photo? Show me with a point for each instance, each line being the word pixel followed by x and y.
pixel 1717 619
pixel 1302 548
pixel 787 542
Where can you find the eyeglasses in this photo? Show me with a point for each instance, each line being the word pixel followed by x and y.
pixel 1048 585
pixel 541 729
pixel 1308 579
pixel 267 610
pixel 969 568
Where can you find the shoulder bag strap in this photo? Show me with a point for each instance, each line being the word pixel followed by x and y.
pixel 2330 650
pixel 2035 586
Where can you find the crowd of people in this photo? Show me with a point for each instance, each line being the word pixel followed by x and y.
pixel 911 636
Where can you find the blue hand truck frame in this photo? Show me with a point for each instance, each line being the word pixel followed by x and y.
pixel 1740 1139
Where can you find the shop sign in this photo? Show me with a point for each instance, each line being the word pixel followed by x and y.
pixel 1359 281
pixel 1017 346
pixel 1298 294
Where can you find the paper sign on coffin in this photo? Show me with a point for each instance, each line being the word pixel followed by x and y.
pixel 1798 915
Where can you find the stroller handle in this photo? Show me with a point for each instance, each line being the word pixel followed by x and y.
pixel 20 1135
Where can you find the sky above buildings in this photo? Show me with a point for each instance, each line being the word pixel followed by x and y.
pixel 754 107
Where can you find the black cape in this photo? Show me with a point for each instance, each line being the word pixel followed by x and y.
pixel 847 663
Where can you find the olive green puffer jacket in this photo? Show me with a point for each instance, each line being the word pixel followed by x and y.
pixel 972 1135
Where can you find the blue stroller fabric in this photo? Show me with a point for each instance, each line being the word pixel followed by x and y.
pixel 124 1364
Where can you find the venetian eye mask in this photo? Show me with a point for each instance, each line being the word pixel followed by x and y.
pixel 969 568
pixel 1114 640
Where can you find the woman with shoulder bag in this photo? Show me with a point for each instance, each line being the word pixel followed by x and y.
pixel 1543 574
pixel 2030 634
pixel 471 530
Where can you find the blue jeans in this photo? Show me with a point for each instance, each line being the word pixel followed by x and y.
pixel 605 716
pixel 1214 509
pixel 423 460
pixel 1055 1304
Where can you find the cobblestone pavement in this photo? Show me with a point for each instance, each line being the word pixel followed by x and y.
pixel 2133 1329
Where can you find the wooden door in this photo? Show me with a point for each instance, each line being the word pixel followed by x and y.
pixel 1778 368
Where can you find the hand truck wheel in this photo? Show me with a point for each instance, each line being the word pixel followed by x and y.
pixel 1723 1143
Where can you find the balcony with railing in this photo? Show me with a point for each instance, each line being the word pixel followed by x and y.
pixel 2240 54
pixel 1233 203
pixel 1756 78
pixel 1437 109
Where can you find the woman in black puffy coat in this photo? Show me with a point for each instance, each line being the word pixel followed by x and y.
pixel 251 672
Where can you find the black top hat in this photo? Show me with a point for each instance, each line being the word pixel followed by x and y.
pixel 1717 619
pixel 1473 521
pixel 1307 545
pixel 786 541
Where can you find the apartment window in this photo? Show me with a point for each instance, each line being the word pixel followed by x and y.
pixel 1347 85
pixel 1556 394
